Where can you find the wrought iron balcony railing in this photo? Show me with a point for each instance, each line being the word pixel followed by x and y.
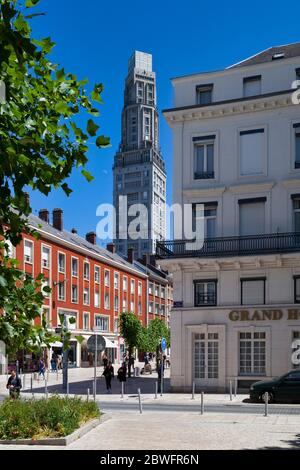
pixel 205 299
pixel 231 246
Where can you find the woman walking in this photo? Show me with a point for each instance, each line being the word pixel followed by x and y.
pixel 108 374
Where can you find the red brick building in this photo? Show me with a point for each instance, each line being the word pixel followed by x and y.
pixel 91 284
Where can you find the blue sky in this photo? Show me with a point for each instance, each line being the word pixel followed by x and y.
pixel 94 39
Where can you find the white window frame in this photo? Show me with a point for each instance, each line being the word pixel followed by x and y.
pixel 72 300
pixel 47 247
pixel 106 284
pixel 89 322
pixel 132 286
pixel 86 263
pixel 116 277
pixel 107 296
pixel 77 262
pixel 252 339
pixel 58 266
pixel 97 292
pixel 104 317
pixel 89 296
pixel 31 260
pixel 116 297
pixel 140 289
pixel 61 298
pixel 97 269
pixel 125 283
pixel 265 152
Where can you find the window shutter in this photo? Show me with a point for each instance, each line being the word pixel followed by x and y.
pixel 252 218
pixel 252 146
pixel 253 292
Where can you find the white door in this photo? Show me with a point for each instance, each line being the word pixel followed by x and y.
pixel 206 358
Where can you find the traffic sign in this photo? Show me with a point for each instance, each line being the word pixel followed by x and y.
pixel 91 343
pixel 163 344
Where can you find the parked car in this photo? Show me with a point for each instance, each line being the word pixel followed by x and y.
pixel 281 389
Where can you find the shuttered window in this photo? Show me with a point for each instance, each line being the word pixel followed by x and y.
pixel 252 151
pixel 252 217
pixel 253 291
pixel 252 86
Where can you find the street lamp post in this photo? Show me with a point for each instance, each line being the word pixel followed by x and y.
pixel 96 329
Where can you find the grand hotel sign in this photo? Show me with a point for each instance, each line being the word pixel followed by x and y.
pixel 268 314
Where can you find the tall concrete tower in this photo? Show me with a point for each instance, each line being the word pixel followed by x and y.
pixel 139 169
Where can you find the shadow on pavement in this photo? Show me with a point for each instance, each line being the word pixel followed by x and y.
pixel 147 386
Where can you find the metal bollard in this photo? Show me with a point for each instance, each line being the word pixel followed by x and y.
pixel 122 389
pixel 202 403
pixel 31 383
pixel 235 386
pixel 230 389
pixel 46 389
pixel 156 388
pixel 193 390
pixel 140 401
pixel 94 391
pixel 161 385
pixel 266 403
pixel 24 381
pixel 88 394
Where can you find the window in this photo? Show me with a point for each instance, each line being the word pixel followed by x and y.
pixel 97 274
pixel 86 296
pixel 205 213
pixel 252 216
pixel 140 308
pixel 252 347
pixel 157 309
pixel 86 270
pixel 150 289
pixel 116 325
pixel 296 210
pixel 74 267
pixel 96 299
pixel 297 289
pixel 132 283
pixel 46 315
pixel 116 280
pixel 132 306
pixel 297 74
pixel 162 292
pixel 253 291
pixel 204 157
pixel 61 262
pixel 124 305
pixel 74 293
pixel 252 152
pixel 106 278
pixel 10 249
pixel 61 291
pixel 252 86
pixel 204 94
pixel 45 257
pixel 28 251
pixel 125 283
pixel 102 322
pixel 205 293
pixel 156 290
pixel 106 301
pixel 116 303
pixel 45 283
pixel 139 288
pixel 150 307
pixel 162 310
pixel 297 145
pixel 86 321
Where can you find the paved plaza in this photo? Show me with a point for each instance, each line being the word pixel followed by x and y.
pixel 172 421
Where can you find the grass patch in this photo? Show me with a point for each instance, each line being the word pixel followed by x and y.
pixel 37 419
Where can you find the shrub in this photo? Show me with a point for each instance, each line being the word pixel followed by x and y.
pixel 55 417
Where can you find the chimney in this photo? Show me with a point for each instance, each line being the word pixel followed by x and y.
pixel 91 237
pixel 44 215
pixel 146 259
pixel 111 247
pixel 58 219
pixel 74 230
pixel 152 260
pixel 130 255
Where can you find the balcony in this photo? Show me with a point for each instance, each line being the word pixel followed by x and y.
pixel 231 246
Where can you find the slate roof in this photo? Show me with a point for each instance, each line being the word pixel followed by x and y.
pixel 269 55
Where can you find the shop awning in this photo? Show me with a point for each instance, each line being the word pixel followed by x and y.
pixel 57 344
pixel 110 344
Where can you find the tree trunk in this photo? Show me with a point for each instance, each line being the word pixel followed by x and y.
pixel 129 362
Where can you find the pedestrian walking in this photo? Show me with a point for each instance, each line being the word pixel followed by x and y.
pixel 121 374
pixel 160 373
pixel 108 374
pixel 104 360
pixel 14 385
pixel 42 368
pixel 54 361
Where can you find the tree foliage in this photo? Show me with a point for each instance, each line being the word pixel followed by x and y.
pixel 40 144
pixel 152 335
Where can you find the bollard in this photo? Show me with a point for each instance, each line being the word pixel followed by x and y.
pixel 31 383
pixel 156 388
pixel 140 401
pixel 46 389
pixel 235 387
pixel 67 388
pixel 88 394
pixel 202 403
pixel 94 391
pixel 24 381
pixel 193 390
pixel 161 385
pixel 230 389
pixel 122 389
pixel 57 374
pixel 266 403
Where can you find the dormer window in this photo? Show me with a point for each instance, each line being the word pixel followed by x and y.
pixel 278 55
pixel 204 94
pixel 252 86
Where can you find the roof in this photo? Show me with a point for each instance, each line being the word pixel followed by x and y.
pixel 153 272
pixel 269 55
pixel 80 242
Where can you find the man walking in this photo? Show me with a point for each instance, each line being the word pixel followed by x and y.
pixel 14 385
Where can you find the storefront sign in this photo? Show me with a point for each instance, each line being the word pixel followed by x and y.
pixel 263 315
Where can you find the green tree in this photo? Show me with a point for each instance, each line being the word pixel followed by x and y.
pixel 40 144
pixel 152 335
pixel 131 331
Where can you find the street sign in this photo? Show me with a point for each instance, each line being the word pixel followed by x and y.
pixel 163 344
pixel 91 343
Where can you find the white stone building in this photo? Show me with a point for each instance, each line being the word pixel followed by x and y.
pixel 236 140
